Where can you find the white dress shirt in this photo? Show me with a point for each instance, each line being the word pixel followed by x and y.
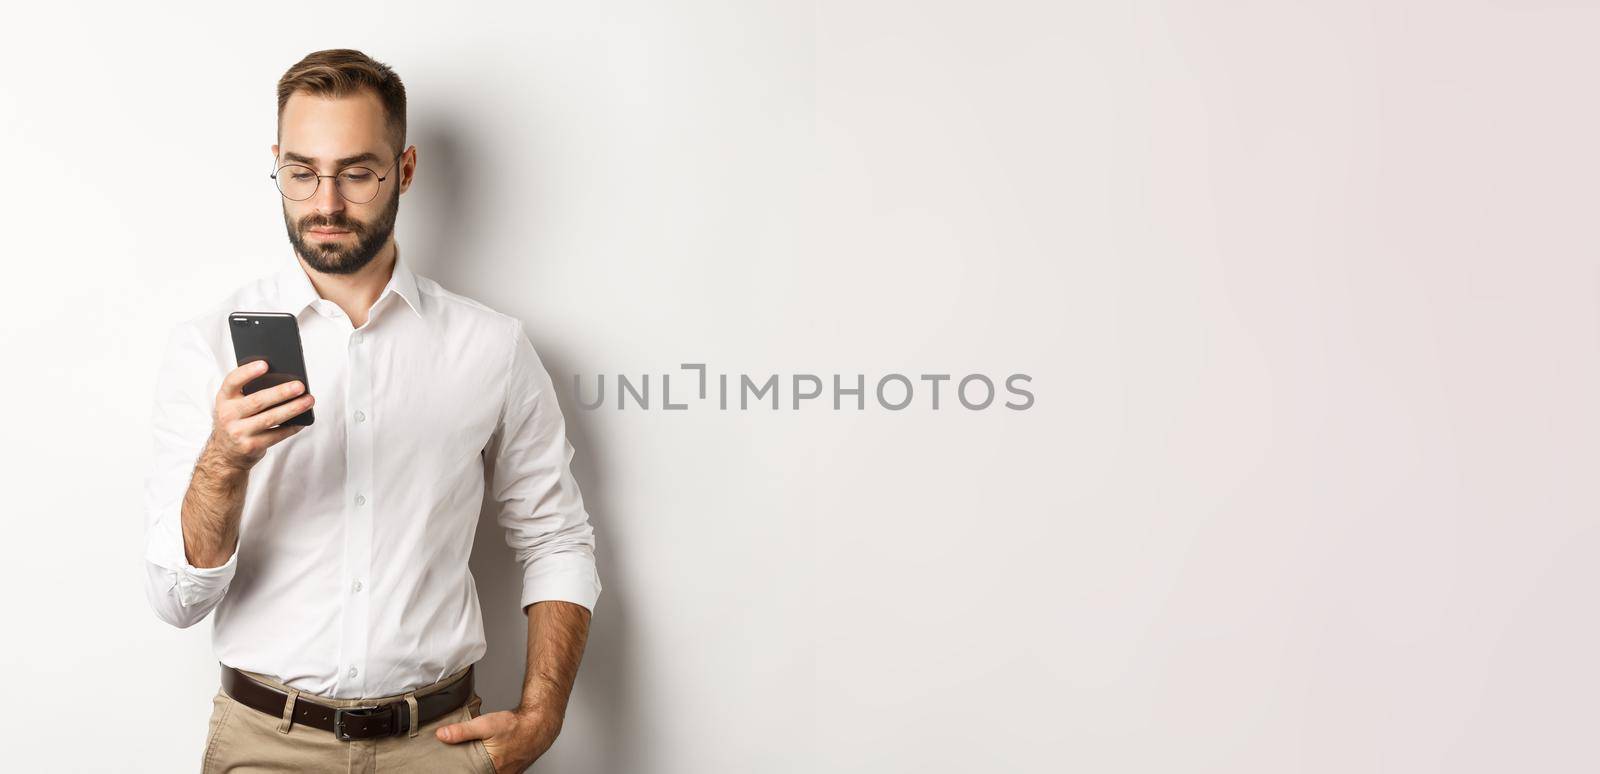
pixel 350 579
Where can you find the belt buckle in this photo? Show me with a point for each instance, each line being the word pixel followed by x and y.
pixel 339 714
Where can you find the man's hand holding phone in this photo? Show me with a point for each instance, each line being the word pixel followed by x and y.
pixel 245 426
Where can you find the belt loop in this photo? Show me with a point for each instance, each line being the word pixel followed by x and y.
pixel 288 711
pixel 411 702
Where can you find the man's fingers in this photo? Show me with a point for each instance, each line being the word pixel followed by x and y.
pixel 279 433
pixel 272 396
pixel 233 384
pixel 456 733
pixel 279 414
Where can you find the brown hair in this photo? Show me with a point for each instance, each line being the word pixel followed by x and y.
pixel 341 72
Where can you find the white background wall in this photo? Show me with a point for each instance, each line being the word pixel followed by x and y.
pixel 1308 294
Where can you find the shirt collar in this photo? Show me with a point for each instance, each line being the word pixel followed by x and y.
pixel 296 292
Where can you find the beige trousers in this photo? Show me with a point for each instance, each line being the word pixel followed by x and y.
pixel 241 739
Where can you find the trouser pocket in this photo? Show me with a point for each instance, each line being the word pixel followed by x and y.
pixel 222 707
pixel 474 709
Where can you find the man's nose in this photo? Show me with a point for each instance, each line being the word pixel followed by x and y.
pixel 327 200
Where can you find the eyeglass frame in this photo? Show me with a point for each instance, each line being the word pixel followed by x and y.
pixel 381 178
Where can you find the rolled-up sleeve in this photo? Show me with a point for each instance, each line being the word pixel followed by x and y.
pixel 180 593
pixel 539 504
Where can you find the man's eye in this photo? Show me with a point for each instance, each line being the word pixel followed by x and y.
pixel 300 176
pixel 357 177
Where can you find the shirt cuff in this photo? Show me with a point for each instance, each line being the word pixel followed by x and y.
pixel 198 584
pixel 561 577
pixel 194 585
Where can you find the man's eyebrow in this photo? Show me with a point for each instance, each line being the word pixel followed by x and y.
pixel 344 162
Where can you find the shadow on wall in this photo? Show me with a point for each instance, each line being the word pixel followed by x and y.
pixel 600 719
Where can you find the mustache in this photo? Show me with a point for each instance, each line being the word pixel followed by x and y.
pixel 339 223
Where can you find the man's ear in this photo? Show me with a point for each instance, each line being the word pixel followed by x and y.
pixel 274 150
pixel 408 168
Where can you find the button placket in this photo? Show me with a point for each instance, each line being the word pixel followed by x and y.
pixel 358 511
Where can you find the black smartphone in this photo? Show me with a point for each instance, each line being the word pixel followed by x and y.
pixel 275 338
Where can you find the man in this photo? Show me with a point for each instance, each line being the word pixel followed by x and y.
pixel 335 554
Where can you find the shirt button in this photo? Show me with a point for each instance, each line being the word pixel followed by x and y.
pixel 360 417
pixel 356 586
pixel 352 671
pixel 361 500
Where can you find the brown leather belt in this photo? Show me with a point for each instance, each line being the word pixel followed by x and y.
pixel 347 723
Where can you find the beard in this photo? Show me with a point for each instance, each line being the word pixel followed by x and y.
pixel 344 256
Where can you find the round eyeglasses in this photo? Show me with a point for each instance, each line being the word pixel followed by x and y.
pixel 358 185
